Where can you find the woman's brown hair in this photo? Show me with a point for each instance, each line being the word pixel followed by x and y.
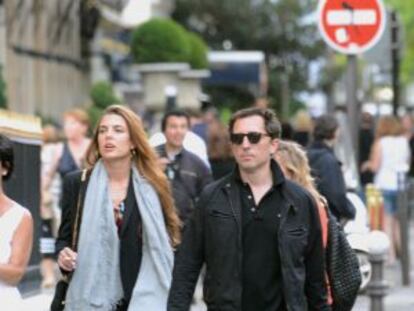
pixel 388 126
pixel 146 163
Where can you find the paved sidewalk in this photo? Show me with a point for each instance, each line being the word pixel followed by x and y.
pixel 38 302
pixel 399 298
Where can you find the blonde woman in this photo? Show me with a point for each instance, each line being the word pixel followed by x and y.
pixel 129 226
pixel 295 166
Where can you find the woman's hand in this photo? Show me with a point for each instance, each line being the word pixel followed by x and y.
pixel 67 259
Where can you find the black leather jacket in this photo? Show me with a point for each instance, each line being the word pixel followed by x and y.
pixel 188 175
pixel 213 236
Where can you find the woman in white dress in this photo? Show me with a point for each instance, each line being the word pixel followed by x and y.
pixel 390 160
pixel 16 235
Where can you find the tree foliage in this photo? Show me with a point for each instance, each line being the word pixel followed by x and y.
pixel 102 95
pixel 164 40
pixel 278 28
pixel 198 51
pixel 405 10
pixel 160 40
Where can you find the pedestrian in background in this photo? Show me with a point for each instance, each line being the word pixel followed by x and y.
pixel 64 157
pixel 390 160
pixel 302 126
pixel 186 172
pixel 258 233
pixel 129 226
pixel 219 149
pixel 294 163
pixel 16 235
pixel 70 154
pixel 366 139
pixel 49 206
pixel 326 168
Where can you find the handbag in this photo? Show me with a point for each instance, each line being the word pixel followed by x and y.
pixel 58 301
pixel 342 268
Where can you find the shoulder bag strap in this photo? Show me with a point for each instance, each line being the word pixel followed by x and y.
pixel 79 208
pixel 78 217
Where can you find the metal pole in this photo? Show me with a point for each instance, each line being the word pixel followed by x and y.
pixel 377 288
pixel 352 100
pixel 395 61
pixel 404 228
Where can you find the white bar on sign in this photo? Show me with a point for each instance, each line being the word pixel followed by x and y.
pixel 365 17
pixel 348 17
pixel 339 17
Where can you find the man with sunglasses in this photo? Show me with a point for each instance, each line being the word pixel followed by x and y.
pixel 258 233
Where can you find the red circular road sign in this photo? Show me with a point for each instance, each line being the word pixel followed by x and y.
pixel 351 26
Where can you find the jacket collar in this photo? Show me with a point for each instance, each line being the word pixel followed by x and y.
pixel 163 151
pixel 319 144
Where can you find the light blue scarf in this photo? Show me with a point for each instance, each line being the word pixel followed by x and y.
pixel 96 283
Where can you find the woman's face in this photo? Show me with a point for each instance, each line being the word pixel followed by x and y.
pixel 73 128
pixel 114 141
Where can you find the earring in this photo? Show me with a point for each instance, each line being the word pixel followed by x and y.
pixel 133 152
pixel 97 154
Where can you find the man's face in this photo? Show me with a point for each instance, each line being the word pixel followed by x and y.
pixel 175 129
pixel 251 156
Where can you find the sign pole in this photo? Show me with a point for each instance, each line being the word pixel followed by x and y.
pixel 352 100
pixel 395 55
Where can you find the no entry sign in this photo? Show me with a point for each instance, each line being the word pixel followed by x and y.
pixel 351 26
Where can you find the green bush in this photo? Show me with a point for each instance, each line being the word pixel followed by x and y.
pixel 160 40
pixel 102 95
pixel 3 98
pixel 198 51
pixel 95 114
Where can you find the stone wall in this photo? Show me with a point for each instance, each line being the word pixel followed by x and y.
pixel 44 68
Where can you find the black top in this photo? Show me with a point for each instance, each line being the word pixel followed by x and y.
pixel 301 137
pixel 67 163
pixel 131 243
pixel 411 142
pixel 262 279
pixel 366 139
pixel 130 233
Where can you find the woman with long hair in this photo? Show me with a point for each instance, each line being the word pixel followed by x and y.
pixel 295 166
pixel 389 161
pixel 16 235
pixel 129 226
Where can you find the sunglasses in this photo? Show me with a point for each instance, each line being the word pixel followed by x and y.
pixel 252 137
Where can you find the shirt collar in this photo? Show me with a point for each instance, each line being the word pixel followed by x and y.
pixel 277 174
